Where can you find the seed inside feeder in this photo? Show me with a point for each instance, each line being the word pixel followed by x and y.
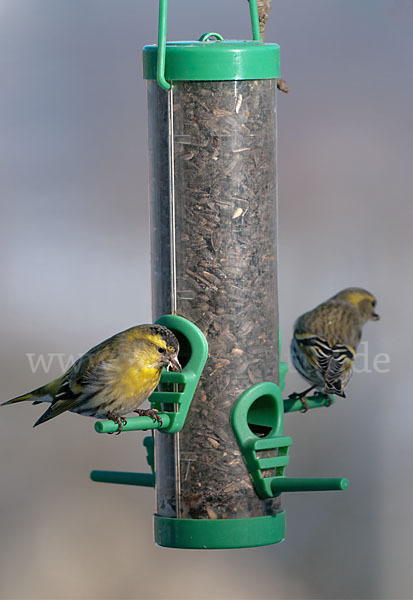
pixel 213 215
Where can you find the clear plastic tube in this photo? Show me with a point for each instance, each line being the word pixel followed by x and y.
pixel 214 261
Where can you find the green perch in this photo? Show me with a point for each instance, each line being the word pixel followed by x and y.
pixel 134 424
pixel 315 401
pixel 129 478
pixel 124 477
pixel 308 484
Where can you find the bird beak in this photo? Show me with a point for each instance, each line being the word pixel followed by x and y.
pixel 174 364
pixel 375 317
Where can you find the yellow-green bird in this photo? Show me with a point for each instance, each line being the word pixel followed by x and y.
pixel 325 340
pixel 112 379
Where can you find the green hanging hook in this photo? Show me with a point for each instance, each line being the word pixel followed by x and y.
pixel 255 21
pixel 160 66
pixel 162 26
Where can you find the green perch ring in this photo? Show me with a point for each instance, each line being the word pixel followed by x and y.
pixel 262 406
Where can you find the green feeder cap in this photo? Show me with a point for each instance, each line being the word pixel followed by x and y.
pixel 214 60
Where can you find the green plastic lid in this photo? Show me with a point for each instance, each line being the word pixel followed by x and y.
pixel 214 60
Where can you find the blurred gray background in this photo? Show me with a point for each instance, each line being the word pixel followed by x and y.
pixel 74 268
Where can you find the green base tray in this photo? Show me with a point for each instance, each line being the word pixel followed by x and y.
pixel 221 534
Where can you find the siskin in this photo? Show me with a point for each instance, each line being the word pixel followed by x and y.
pixel 113 378
pixel 325 341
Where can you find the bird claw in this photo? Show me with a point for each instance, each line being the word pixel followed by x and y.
pixel 121 421
pixel 149 412
pixel 296 396
pixel 305 404
pixel 302 396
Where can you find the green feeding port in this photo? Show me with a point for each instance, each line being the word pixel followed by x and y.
pixel 257 420
pixel 175 390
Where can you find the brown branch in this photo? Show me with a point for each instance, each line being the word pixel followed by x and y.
pixel 264 7
pixel 282 86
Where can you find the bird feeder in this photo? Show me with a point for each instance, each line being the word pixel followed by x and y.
pixel 213 193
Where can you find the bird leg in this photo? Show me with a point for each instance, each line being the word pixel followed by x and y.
pixel 121 421
pixel 149 412
pixel 302 396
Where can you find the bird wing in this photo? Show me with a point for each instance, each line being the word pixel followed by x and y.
pixel 64 400
pixel 80 383
pixel 339 368
pixel 316 350
pixel 334 364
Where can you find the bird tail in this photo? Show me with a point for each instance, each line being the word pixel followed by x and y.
pixel 55 409
pixel 334 387
pixel 28 396
pixel 39 395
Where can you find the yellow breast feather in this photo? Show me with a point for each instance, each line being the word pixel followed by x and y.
pixel 136 381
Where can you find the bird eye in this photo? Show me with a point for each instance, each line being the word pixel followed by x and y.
pixel 161 350
pixel 373 303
